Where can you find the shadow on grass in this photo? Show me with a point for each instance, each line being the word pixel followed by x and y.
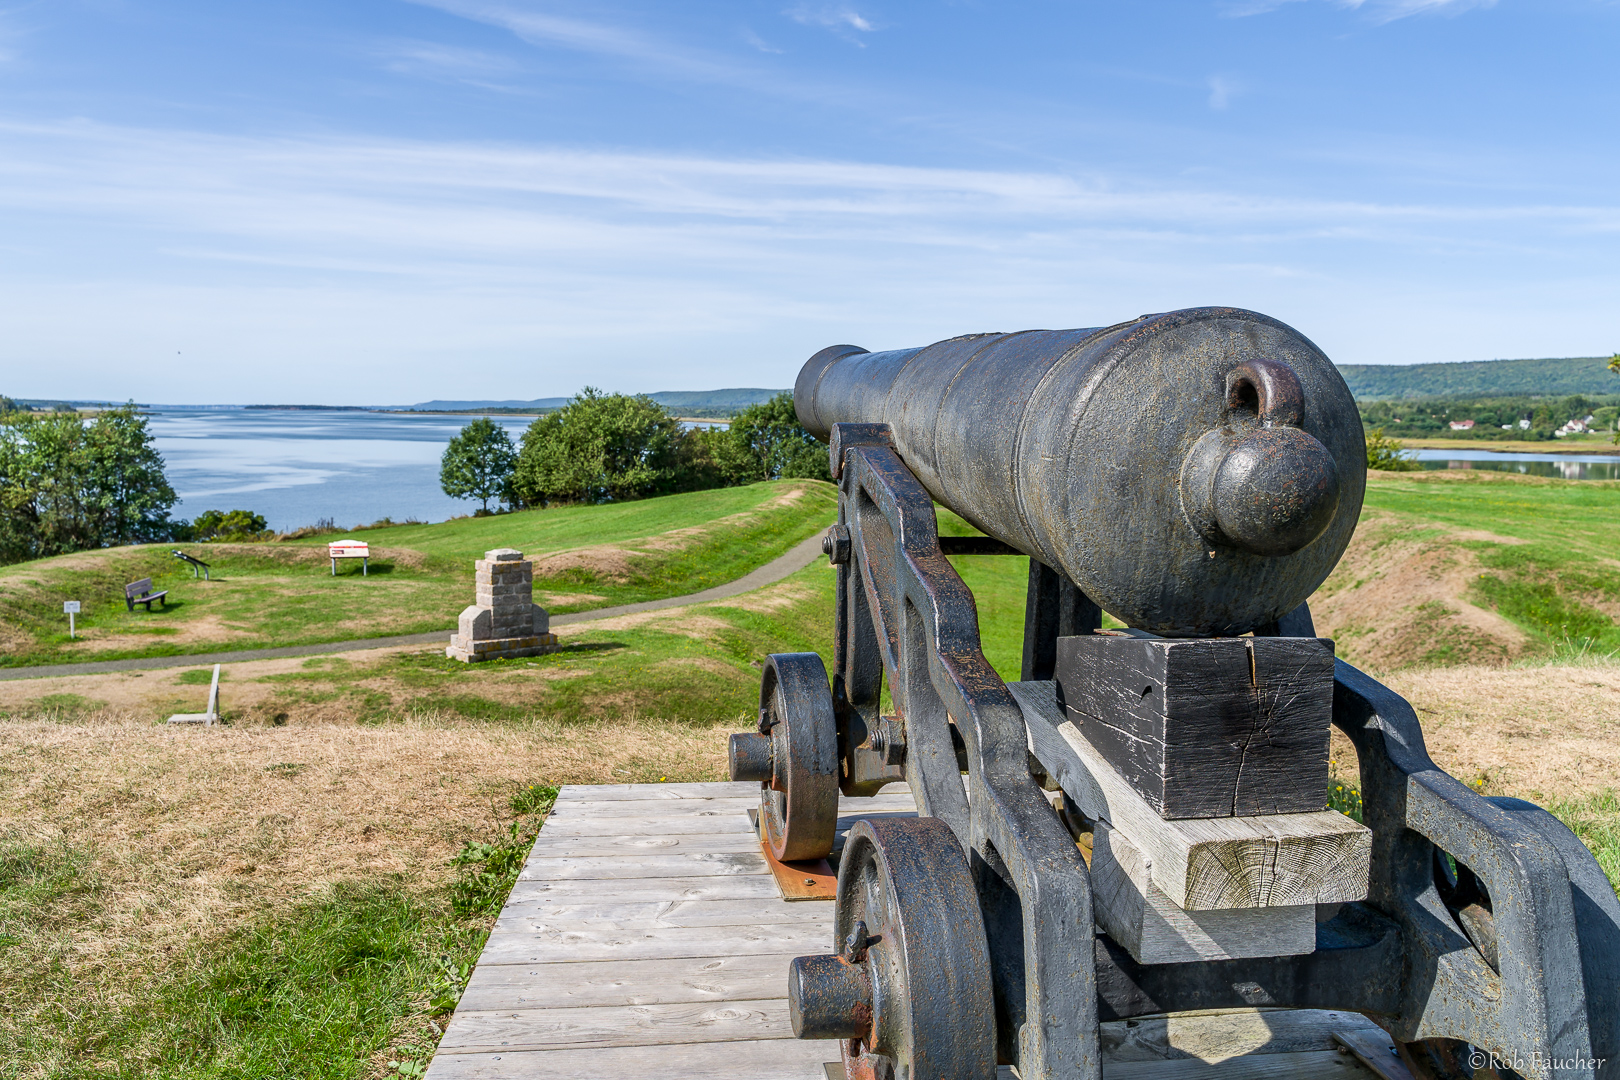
pixel 355 571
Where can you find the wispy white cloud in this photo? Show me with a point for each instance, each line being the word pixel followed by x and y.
pixel 839 18
pixel 390 249
pixel 598 38
pixel 758 42
pixel 11 33
pixel 326 195
pixel 1221 91
pixel 1380 11
pixel 447 61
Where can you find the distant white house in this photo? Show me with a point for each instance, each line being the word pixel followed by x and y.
pixel 1525 424
pixel 1461 425
pixel 1574 427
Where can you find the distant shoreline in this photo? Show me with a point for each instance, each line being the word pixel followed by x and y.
pixel 1514 446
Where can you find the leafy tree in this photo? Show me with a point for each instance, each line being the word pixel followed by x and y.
pixel 599 448
pixel 708 458
pixel 769 443
pixel 7 405
pixel 478 463
pixel 127 497
pixel 229 525
pixel 66 485
pixel 1614 366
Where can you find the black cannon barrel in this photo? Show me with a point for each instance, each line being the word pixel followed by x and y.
pixel 1197 472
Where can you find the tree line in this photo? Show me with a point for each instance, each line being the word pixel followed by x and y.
pixel 67 485
pixel 610 447
pixel 1518 416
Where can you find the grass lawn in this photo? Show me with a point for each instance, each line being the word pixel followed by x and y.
pixel 420 577
pixel 1480 566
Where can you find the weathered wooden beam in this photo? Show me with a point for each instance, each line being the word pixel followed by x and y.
pixel 1207 727
pixel 1277 860
pixel 1136 913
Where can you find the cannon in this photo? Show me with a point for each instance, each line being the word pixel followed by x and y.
pixel 1138 824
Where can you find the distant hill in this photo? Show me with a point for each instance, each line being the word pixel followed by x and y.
pixel 685 402
pixel 537 405
pixel 1482 378
pixel 712 402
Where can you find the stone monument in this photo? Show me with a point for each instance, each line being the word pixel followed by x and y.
pixel 505 622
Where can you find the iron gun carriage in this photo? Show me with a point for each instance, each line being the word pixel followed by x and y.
pixel 1137 826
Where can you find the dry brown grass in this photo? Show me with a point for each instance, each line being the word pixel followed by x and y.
pixel 1398 599
pixel 676 620
pixel 192 831
pixel 159 692
pixel 204 629
pixel 1540 733
pixel 612 564
pixel 771 601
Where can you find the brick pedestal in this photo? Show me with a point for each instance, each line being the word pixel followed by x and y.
pixel 505 621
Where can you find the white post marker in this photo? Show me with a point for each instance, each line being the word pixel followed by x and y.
pixel 70 608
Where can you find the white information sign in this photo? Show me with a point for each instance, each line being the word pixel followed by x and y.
pixel 70 607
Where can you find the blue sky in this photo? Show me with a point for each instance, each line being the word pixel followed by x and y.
pixel 378 201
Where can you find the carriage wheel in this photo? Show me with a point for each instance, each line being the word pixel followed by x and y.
pixel 795 758
pixel 909 992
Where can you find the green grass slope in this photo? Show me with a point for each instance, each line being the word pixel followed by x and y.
pixel 263 595
pixel 1451 567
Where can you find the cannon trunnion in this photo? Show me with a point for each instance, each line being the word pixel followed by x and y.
pixel 1137 825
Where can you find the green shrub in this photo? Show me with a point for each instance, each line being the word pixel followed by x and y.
pixel 1387 454
pixel 488 870
pixel 238 525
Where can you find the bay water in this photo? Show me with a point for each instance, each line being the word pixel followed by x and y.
pixel 297 467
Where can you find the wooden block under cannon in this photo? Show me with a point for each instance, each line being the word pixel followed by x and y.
pixel 1205 727
pixel 1137 914
pixel 1275 860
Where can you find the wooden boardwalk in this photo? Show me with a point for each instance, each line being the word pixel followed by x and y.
pixel 646 940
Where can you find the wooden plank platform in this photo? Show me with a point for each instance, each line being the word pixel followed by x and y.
pixel 645 938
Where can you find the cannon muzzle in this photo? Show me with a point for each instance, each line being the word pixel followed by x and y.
pixel 1197 472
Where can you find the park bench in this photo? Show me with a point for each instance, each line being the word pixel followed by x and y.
pixel 210 717
pixel 140 592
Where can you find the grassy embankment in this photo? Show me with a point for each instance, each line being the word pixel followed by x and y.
pixel 277 897
pixel 420 578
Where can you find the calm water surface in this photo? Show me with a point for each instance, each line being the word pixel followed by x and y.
pixel 296 467
pixel 1564 466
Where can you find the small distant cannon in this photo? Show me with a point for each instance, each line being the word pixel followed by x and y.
pixel 1137 826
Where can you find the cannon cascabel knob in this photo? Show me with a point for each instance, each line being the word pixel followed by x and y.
pixel 1260 483
pixel 1276 490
